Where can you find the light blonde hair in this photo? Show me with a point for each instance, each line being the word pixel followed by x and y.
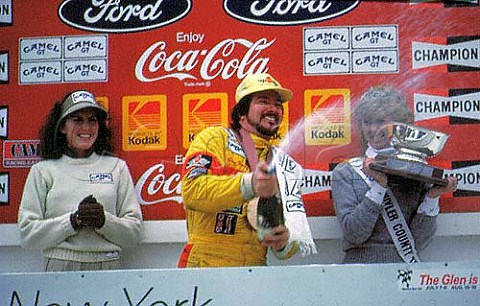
pixel 380 102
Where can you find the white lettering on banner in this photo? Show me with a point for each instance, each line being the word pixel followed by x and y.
pixel 468 177
pixel 41 48
pixel 316 181
pixel 112 11
pixel 462 54
pixel 283 7
pixel 6 12
pixel 40 72
pixel 86 46
pixel 4 69
pixel 190 37
pixel 154 182
pixel 330 38
pixel 327 62
pixel 378 61
pixel 431 106
pixel 213 63
pixel 4 188
pixel 379 36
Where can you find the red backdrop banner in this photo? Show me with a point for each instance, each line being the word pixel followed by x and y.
pixel 167 69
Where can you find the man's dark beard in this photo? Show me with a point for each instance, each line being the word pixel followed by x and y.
pixel 261 130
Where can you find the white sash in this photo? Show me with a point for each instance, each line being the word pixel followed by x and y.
pixel 394 220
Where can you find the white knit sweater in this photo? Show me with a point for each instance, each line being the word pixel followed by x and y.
pixel 53 190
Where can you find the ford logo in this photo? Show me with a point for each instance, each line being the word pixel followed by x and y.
pixel 287 12
pixel 117 16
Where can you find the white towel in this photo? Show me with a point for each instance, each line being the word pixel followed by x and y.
pixel 290 181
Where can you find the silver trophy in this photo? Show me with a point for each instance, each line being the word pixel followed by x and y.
pixel 412 145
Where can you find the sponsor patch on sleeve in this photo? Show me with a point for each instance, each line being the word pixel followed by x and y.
pixel 198 165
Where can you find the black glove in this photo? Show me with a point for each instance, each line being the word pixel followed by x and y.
pixel 90 213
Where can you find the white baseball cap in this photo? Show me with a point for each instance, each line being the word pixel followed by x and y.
pixel 79 100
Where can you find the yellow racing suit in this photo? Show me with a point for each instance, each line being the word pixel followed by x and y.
pixel 219 233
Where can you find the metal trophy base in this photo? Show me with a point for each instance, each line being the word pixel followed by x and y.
pixel 409 169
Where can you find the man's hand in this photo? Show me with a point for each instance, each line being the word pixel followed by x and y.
pixel 264 184
pixel 277 239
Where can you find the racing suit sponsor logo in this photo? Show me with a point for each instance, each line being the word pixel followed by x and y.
pixel 287 12
pixel 234 146
pixel 120 16
pixel 225 224
pixel 198 165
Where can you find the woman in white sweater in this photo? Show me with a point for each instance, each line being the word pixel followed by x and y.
pixel 79 205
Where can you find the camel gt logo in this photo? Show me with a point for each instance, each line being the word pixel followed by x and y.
pixel 117 16
pixel 287 12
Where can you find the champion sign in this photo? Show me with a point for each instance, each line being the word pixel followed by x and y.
pixel 120 16
pixel 287 12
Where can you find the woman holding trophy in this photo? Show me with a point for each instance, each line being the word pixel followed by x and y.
pixel 383 218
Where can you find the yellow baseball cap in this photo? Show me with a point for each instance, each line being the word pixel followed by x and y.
pixel 260 82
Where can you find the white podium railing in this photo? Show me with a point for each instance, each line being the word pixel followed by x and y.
pixel 455 283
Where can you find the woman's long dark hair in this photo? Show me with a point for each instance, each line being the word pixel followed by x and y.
pixel 53 144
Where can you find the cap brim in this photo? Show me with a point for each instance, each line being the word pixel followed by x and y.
pixel 286 94
pixel 82 105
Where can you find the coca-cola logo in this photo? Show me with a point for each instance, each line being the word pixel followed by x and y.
pixel 230 57
pixel 287 12
pixel 117 16
pixel 155 186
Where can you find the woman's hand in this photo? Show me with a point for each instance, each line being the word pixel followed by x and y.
pixel 379 177
pixel 438 190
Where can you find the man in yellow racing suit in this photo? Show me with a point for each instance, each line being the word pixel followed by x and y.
pixel 218 183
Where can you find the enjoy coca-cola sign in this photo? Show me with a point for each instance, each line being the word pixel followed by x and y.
pixel 228 58
pixel 287 12
pixel 119 16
